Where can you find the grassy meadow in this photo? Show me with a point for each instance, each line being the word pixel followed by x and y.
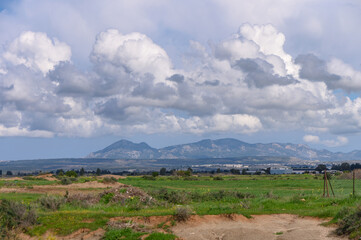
pixel 64 212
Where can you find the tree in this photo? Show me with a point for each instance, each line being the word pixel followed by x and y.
pixel 82 171
pixel 162 171
pixel 218 170
pixel 155 174
pixel 321 167
pixel 98 172
pixel 345 167
pixel 71 173
pixel 9 173
pixel 244 171
pixel 60 172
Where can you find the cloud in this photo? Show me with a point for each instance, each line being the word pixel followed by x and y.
pixel 311 139
pixel 244 84
pixel 339 141
pixel 132 53
pixel 37 52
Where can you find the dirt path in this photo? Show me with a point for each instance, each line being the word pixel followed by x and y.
pixel 93 186
pixel 270 227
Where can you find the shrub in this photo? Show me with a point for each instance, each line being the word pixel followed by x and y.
pixel 15 215
pixel 182 214
pixel 67 180
pixel 109 180
pixel 52 203
pixel 125 233
pixel 147 177
pixel 106 198
pixel 217 178
pixel 71 173
pixel 349 222
pixel 82 200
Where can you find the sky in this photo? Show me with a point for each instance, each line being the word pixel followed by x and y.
pixel 75 76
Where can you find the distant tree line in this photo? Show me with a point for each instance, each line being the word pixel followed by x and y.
pixel 346 166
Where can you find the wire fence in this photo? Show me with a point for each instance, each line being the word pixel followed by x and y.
pixel 344 184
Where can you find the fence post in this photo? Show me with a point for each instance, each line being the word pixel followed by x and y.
pixel 328 195
pixel 353 180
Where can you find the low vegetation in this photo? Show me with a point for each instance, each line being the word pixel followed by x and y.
pixel 43 205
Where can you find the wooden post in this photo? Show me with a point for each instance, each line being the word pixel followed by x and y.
pixel 353 178
pixel 324 185
pixel 331 188
pixel 328 195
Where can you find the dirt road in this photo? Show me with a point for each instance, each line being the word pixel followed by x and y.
pixel 260 227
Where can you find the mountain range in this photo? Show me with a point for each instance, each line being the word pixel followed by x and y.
pixel 220 148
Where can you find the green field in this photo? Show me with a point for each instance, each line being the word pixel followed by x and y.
pixel 204 195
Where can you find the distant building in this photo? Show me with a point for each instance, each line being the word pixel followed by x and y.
pixel 303 170
pixel 275 171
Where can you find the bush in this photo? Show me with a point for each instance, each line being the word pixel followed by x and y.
pixel 217 178
pixel 15 215
pixel 106 198
pixel 147 177
pixel 125 233
pixel 109 180
pixel 71 173
pixel 52 203
pixel 349 222
pixel 67 181
pixel 182 214
pixel 182 197
pixel 82 200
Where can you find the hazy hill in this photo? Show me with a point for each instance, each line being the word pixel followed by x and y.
pixel 221 148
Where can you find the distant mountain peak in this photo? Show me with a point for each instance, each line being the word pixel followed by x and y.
pixel 219 148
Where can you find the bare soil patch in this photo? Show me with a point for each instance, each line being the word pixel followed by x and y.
pixel 93 186
pixel 49 177
pixel 111 175
pixel 277 227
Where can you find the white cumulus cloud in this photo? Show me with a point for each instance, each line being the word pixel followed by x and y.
pixel 37 51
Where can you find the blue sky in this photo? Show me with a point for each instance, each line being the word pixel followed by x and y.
pixel 76 76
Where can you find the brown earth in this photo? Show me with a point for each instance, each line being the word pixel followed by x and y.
pixel 92 186
pixel 265 227
pixel 49 177
pixel 111 175
pixel 223 227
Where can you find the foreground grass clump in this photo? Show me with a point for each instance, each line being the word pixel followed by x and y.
pixel 15 215
pixel 349 222
pixel 182 214
pixel 160 236
pixel 129 234
pixel 125 233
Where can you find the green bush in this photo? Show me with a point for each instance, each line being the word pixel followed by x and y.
pixel 52 203
pixel 67 180
pixel 71 173
pixel 15 215
pixel 349 222
pixel 182 197
pixel 125 233
pixel 147 177
pixel 182 214
pixel 109 180
pixel 106 198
